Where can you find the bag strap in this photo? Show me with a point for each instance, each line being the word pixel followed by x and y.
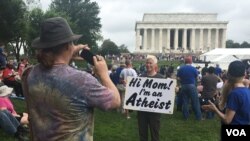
pixel 25 87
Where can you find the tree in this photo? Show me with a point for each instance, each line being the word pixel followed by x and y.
pixel 232 44
pixel 36 16
pixel 109 48
pixel 245 45
pixel 34 19
pixel 84 14
pixel 236 45
pixel 229 43
pixel 123 49
pixel 13 26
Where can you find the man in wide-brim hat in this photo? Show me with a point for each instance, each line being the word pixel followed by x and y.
pixel 60 98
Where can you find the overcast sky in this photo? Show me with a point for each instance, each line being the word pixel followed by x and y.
pixel 118 17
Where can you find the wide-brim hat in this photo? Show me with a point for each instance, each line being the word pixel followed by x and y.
pixel 5 90
pixel 53 32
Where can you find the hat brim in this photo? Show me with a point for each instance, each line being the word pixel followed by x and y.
pixel 7 91
pixel 37 44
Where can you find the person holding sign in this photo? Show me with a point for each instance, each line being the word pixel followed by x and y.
pixel 149 119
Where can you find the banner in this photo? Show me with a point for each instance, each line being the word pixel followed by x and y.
pixel 150 94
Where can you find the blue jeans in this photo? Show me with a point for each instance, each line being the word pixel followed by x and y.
pixel 208 114
pixel 8 122
pixel 189 92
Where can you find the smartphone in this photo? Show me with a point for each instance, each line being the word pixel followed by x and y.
pixel 88 56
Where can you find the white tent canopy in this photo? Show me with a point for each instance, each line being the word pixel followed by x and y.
pixel 223 56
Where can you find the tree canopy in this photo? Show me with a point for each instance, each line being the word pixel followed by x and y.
pixel 13 25
pixel 84 14
pixel 109 47
pixel 232 44
pixel 20 25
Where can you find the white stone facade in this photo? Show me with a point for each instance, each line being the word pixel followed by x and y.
pixel 180 32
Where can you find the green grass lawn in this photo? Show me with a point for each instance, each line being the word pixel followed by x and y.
pixel 113 126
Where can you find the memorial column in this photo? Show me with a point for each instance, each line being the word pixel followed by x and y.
pixel 201 45
pixel 216 38
pixel 168 39
pixel 160 39
pixel 152 39
pixel 192 46
pixel 224 37
pixel 209 39
pixel 145 37
pixel 176 39
pixel 184 39
pixel 138 43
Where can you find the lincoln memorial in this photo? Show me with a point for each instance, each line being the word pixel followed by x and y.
pixel 180 33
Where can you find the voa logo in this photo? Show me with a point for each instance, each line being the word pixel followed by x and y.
pixel 236 132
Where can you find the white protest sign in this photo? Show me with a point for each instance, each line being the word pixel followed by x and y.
pixel 150 94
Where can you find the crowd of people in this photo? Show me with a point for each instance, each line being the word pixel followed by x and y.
pixel 69 95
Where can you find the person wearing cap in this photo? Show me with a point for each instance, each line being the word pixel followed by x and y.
pixel 61 99
pixel 149 121
pixel 188 75
pixel 235 99
pixel 10 121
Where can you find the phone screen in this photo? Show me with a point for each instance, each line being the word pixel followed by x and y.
pixel 88 56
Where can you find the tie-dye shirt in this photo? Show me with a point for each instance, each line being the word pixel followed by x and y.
pixel 61 103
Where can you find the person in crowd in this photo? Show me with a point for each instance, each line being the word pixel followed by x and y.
pixel 218 70
pixel 187 75
pixel 142 69
pixel 61 99
pixel 127 71
pixel 1 74
pixel 10 121
pixel 170 71
pixel 119 85
pixel 148 121
pixel 11 78
pixel 113 75
pixel 109 68
pixel 22 65
pixel 224 76
pixel 162 70
pixel 209 92
pixel 204 70
pixel 3 56
pixel 235 100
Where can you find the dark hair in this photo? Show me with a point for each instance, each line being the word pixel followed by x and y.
pixel 46 56
pixel 211 70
